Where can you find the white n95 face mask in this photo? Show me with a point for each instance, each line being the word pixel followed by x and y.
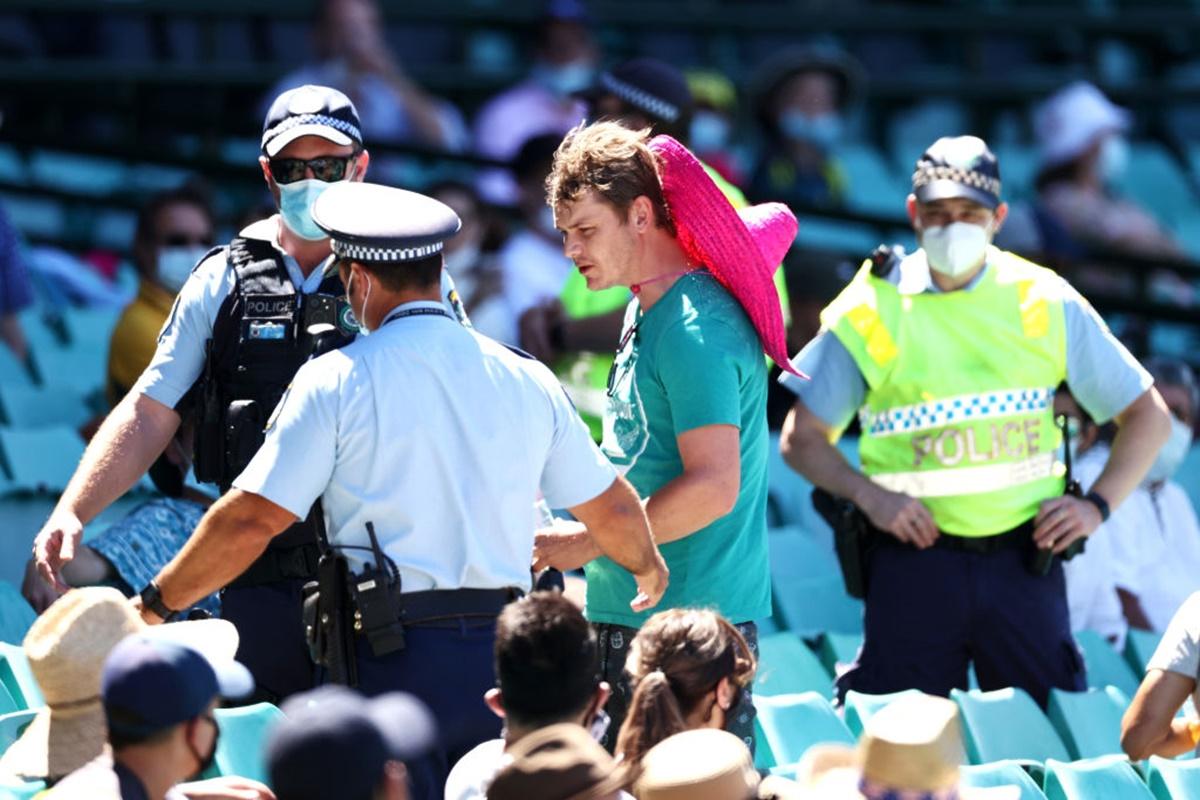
pixel 954 249
pixel 1172 454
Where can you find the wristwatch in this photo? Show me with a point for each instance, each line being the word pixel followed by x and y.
pixel 1100 503
pixel 152 599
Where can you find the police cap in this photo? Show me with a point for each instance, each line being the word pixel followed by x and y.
pixel 382 224
pixel 958 166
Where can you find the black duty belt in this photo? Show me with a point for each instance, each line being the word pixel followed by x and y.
pixel 443 604
pixel 280 564
pixel 1017 538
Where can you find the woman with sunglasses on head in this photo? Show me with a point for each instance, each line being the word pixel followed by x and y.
pixel 688 669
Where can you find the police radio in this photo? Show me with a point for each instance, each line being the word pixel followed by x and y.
pixel 376 594
pixel 1043 558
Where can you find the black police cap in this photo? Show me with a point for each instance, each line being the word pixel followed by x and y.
pixel 382 224
pixel 958 166
pixel 310 111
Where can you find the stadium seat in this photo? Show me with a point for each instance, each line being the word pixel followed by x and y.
pixel 16 615
pixel 764 759
pixel 13 724
pixel 1104 778
pixel 1139 647
pixel 1173 779
pixel 1001 773
pixel 1105 667
pixel 12 371
pixel 42 406
pixel 859 707
pixel 1155 181
pixel 17 678
pixel 838 650
pixel 1006 724
pixel 7 704
pixel 41 459
pixel 792 723
pixel 244 732
pixel 873 186
pixel 836 236
pixel 1088 722
pixel 13 789
pixel 810 606
pixel 787 666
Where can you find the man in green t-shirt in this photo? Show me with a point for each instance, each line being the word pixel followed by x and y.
pixel 686 416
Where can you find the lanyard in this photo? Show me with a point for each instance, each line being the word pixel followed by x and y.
pixel 423 311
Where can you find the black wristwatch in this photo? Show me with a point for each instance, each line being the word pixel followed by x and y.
pixel 1100 503
pixel 152 599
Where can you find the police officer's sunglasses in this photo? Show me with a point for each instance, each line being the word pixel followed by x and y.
pixel 325 168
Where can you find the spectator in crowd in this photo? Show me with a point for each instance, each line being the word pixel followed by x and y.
pixel 705 764
pixel 473 265
pixel 16 291
pixel 159 697
pixel 564 63
pixel 561 762
pixel 334 742
pixel 67 647
pixel 353 56
pixel 688 669
pixel 545 675
pixel 686 413
pixel 173 233
pixel 802 101
pixel 642 93
pixel 1083 153
pixel 1152 725
pixel 714 114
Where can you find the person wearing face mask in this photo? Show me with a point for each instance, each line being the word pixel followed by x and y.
pixel 950 358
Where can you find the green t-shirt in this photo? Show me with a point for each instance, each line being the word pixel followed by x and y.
pixel 692 360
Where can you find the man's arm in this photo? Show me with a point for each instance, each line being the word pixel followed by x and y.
pixel 807 446
pixel 132 436
pixel 1149 726
pixel 705 491
pixel 234 532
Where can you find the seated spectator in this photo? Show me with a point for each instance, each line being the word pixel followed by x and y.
pixel 705 765
pixel 564 63
pixel 561 762
pixel 688 669
pixel 546 675
pixel 334 742
pixel 159 697
pixel 67 647
pixel 1083 152
pixel 16 291
pixel 802 100
pixel 710 132
pixel 473 266
pixel 174 231
pixel 354 57
pixel 1152 725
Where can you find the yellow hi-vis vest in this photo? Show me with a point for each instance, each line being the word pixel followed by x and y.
pixel 960 390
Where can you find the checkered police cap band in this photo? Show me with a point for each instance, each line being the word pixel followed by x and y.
pixel 348 128
pixel 363 252
pixel 640 98
pixel 977 180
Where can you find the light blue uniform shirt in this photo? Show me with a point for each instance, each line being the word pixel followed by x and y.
pixel 439 436
pixel 179 357
pixel 1102 374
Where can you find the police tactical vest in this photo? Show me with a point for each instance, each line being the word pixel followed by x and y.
pixel 264 331
pixel 960 390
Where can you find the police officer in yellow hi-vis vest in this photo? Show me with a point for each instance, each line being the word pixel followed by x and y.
pixel 950 357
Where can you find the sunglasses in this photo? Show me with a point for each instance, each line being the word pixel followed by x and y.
pixel 325 168
pixel 611 387
pixel 184 240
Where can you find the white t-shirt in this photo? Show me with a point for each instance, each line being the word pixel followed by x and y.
pixel 1179 650
pixel 535 270
pixel 471 776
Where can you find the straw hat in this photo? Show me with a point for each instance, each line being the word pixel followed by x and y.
pixel 66 648
pixel 740 247
pixel 912 746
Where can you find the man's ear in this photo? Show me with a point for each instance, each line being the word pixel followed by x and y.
pixel 272 186
pixel 360 166
pixel 910 205
pixel 1000 214
pixel 641 214
pixel 493 699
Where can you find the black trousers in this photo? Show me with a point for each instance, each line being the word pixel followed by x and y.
pixel 271 637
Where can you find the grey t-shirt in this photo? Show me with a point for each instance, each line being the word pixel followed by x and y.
pixel 1179 650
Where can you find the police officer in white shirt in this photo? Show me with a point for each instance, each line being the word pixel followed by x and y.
pixel 441 440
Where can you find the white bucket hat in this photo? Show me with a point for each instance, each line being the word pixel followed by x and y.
pixel 1069 121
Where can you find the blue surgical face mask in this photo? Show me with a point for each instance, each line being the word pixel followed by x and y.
pixel 360 315
pixel 295 206
pixel 175 264
pixel 823 130
pixel 565 79
pixel 1172 454
pixel 1114 157
pixel 709 131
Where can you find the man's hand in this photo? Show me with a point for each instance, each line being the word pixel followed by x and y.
pixel 35 589
pixel 651 586
pixel 902 516
pixel 227 788
pixel 1062 520
pixel 566 545
pixel 148 616
pixel 55 545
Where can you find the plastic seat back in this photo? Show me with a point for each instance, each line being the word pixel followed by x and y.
pixel 1006 724
pixel 787 666
pixel 16 615
pixel 42 406
pixel 13 724
pixel 1088 722
pixel 1105 667
pixel 16 789
pixel 42 459
pixel 860 707
pixel 1139 647
pixel 1001 773
pixel 1169 779
pixel 792 723
pixel 838 650
pixel 17 678
pixel 244 731
pixel 1104 778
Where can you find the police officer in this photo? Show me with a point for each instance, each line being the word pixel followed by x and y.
pixel 427 444
pixel 242 324
pixel 950 357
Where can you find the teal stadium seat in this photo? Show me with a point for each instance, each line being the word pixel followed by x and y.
pixel 1104 778
pixel 1001 773
pixel 7 703
pixel 1139 647
pixel 12 371
pixel 13 724
pixel 1173 780
pixel 836 236
pixel 16 615
pixel 244 731
pixel 809 595
pixel 859 707
pixel 764 758
pixel 838 650
pixel 41 459
pixel 1006 724
pixel 14 789
pixel 1105 666
pixel 1088 722
pixel 43 406
pixel 873 186
pixel 787 666
pixel 792 723
pixel 1155 181
pixel 17 678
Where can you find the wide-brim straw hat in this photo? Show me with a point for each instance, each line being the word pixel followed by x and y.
pixel 740 247
pixel 66 648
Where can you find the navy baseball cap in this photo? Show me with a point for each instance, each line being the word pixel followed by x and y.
pixel 150 683
pixel 310 111
pixel 334 742
pixel 958 166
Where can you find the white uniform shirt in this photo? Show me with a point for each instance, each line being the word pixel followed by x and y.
pixel 439 436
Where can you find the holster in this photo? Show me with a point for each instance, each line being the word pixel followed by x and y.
pixel 329 620
pixel 1038 560
pixel 854 539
